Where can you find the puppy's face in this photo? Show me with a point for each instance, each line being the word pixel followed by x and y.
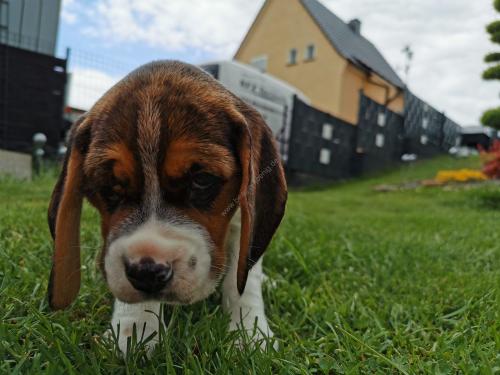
pixel 164 189
pixel 166 156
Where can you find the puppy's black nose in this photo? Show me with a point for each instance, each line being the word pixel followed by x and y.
pixel 147 275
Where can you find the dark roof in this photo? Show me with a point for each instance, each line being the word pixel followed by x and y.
pixel 352 46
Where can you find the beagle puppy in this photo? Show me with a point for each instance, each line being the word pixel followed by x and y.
pixel 190 190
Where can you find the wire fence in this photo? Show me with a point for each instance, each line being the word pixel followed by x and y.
pixel 91 75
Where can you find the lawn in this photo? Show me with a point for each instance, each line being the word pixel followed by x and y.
pixel 362 282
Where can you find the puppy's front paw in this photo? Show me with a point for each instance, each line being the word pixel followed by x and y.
pixel 134 326
pixel 256 329
pixel 130 334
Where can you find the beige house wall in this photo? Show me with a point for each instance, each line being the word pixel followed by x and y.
pixel 283 25
pixel 329 80
pixel 354 80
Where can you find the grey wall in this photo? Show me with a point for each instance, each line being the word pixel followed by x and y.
pixel 30 24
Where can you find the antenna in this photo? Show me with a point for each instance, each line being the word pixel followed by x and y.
pixel 408 52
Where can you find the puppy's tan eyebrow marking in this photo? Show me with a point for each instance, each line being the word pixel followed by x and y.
pixel 183 153
pixel 124 165
pixel 119 153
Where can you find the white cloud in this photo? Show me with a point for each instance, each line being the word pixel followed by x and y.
pixel 447 36
pixel 449 42
pixel 68 12
pixel 87 86
pixel 214 26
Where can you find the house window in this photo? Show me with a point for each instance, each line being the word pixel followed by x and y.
pixel 310 52
pixel 260 63
pixel 292 56
pixel 324 156
pixel 379 140
pixel 327 132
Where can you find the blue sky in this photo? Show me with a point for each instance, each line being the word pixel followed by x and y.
pixel 73 35
pixel 108 38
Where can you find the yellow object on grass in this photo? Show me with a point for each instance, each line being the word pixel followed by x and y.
pixel 460 175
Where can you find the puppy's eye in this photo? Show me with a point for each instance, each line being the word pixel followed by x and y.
pixel 113 195
pixel 202 181
pixel 204 189
pixel 114 198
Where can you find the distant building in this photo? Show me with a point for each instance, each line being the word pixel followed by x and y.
pixel 272 97
pixel 32 79
pixel 30 24
pixel 474 136
pixel 306 45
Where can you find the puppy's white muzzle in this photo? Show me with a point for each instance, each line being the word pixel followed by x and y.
pixel 161 261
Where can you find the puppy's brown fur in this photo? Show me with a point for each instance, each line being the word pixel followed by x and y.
pixel 165 121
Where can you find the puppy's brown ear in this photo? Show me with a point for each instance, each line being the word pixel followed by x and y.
pixel 263 191
pixel 64 220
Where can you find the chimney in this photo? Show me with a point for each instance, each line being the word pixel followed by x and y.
pixel 355 26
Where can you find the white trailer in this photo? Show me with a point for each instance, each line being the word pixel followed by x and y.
pixel 272 97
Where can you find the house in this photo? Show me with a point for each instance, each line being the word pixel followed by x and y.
pixel 306 45
pixel 32 78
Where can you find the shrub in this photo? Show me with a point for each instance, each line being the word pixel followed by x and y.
pixel 492 72
pixel 491 160
pixel 493 27
pixel 492 57
pixel 491 118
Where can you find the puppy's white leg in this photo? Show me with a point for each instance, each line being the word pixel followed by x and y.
pixel 145 316
pixel 248 308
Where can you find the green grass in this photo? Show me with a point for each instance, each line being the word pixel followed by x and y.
pixel 365 282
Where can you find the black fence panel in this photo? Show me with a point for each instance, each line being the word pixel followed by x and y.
pixel 320 145
pixel 380 137
pixel 32 87
pixel 423 125
pixel 451 134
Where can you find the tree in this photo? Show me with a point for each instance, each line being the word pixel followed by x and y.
pixel 491 117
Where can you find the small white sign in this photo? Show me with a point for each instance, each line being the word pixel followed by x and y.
pixel 381 119
pixel 425 123
pixel 324 156
pixel 327 132
pixel 379 140
pixel 424 139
